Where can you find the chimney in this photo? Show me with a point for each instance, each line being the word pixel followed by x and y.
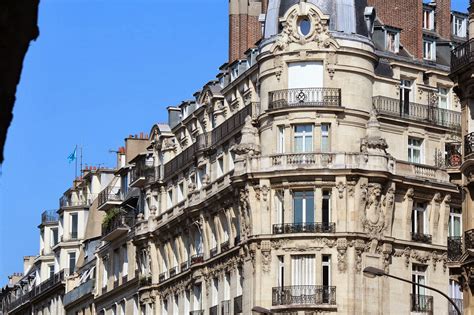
pixel 27 263
pixel 174 116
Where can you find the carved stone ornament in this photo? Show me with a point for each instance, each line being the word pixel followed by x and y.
pixel 248 143
pixel 387 250
pixel 373 220
pixel 373 143
pixel 318 33
pixel 244 211
pixel 409 194
pixel 340 189
pixel 266 248
pixel 359 247
pixel 341 254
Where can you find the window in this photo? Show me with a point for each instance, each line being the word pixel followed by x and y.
pixel 325 145
pixel 227 286
pixel 72 261
pixel 303 207
pixel 231 160
pixel 443 97
pixel 215 290
pixel 220 166
pixel 116 263
pixel 197 297
pixel 326 264
pixel 74 223
pixel 51 271
pixel 201 176
pixel 415 150
pixel 54 236
pixel 419 219
pixel 164 307
pixel 122 308
pixel 405 96
pixel 303 141
pixel 240 281
pixel 169 200
pixel 175 305
pixel 429 49
pixel 455 291
pixel 455 222
pixel 304 26
pixel 187 299
pixel 280 219
pixel 302 270
pixel 419 303
pixel 326 209
pixel 459 26
pixel 105 275
pixel 281 271
pixel 212 119
pixel 124 261
pixel 392 41
pixel 428 19
pixel 180 192
pixel 281 139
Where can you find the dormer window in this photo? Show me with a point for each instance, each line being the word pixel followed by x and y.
pixel 304 26
pixel 459 26
pixel 392 40
pixel 429 49
pixel 428 19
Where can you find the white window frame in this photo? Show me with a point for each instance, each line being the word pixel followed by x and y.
pixel 304 135
pixel 412 147
pixel 220 166
pixel 453 214
pixel 396 41
pixel 180 191
pixel 325 135
pixel 443 95
pixel 169 198
pixel 327 264
pixel 105 271
pixel 281 271
pixel 420 207
pixel 459 29
pixel 429 49
pixel 279 207
pixel 124 261
pixel 281 139
pixel 430 14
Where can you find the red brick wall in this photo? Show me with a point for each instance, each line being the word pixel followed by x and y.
pixel 234 37
pixel 443 18
pixel 407 15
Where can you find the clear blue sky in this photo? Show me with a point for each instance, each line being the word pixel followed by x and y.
pixel 98 72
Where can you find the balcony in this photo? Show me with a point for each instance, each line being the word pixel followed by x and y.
pixel 78 292
pixel 290 228
pixel 225 307
pixel 421 303
pixel 56 279
pixel 197 312
pixel 197 259
pixel 67 202
pixel 213 251
pixel 238 304
pixel 162 276
pixel 49 217
pixel 468 144
pixel 117 226
pixel 184 266
pixel 305 97
pixel 143 174
pixel 208 141
pixel 304 295
pixel 452 310
pixel 469 239
pixel 420 237
pixel 213 310
pixel 462 55
pixel 173 271
pixel 109 197
pixel 454 248
pixel 225 246
pixel 430 114
pixel 145 281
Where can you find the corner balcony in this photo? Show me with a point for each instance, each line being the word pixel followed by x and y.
pixel 290 228
pixel 49 217
pixel 117 226
pixel 109 197
pixel 197 259
pixel 421 303
pixel 462 56
pixel 304 296
pixel 430 114
pixel 142 175
pixel 304 97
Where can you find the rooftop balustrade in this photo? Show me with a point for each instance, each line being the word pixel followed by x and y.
pixel 49 217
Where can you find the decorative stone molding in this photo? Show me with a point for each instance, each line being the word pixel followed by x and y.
pixel 409 194
pixel 387 250
pixel 341 254
pixel 359 247
pixel 340 189
pixel 373 220
pixel 244 212
pixel 266 248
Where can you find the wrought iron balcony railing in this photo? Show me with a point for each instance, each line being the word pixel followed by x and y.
pixel 304 295
pixel 78 292
pixel 320 227
pixel 454 247
pixel 109 194
pixel 468 144
pixel 431 114
pixel 213 310
pixel 197 312
pixel 184 266
pixel 469 239
pixel 173 271
pixel 311 97
pixel 207 141
pixel 452 310
pixel 197 259
pixel 421 303
pixel 420 237
pixel 238 304
pixel 120 223
pixel 462 55
pixel 162 276
pixel 213 251
pixel 144 173
pixel 49 217
pixel 225 246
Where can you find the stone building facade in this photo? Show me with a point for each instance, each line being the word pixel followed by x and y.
pixel 326 148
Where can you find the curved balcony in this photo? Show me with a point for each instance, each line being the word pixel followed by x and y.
pixel 304 295
pixel 289 228
pixel 305 97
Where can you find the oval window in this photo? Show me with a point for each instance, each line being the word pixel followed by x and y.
pixel 305 26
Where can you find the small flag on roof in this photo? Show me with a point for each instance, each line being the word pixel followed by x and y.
pixel 73 155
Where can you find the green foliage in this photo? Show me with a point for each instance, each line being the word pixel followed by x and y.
pixel 110 216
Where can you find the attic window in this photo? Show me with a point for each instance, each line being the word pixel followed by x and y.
pixel 304 26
